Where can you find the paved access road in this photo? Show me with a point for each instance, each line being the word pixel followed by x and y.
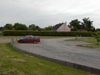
pixel 64 50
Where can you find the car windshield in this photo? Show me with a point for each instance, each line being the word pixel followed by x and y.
pixel 25 36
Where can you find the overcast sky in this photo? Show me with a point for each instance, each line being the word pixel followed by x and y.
pixel 48 12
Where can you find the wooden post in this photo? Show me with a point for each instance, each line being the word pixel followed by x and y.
pixel 92 34
pixel 3 37
pixel 80 36
pixel 76 37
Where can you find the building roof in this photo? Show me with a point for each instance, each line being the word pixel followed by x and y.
pixel 56 26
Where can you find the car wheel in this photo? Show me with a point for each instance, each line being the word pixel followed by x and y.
pixel 35 41
pixel 21 41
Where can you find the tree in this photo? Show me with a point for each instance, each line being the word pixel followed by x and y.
pixel 16 24
pixel 8 27
pixel 38 28
pixel 82 26
pixel 32 27
pixel 93 29
pixel 74 29
pixel 87 24
pixel 97 37
pixel 48 28
pixel 19 26
pixel 75 23
pixel 1 28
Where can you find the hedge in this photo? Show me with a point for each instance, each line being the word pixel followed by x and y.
pixel 44 33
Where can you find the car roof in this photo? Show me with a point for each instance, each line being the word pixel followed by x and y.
pixel 32 36
pixel 28 35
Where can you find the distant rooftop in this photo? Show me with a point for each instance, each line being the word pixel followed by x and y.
pixel 56 26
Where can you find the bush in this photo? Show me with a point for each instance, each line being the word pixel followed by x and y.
pixel 97 37
pixel 44 33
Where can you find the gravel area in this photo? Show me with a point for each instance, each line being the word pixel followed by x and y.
pixel 64 50
pixel 5 40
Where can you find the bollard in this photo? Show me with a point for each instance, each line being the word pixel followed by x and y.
pixel 76 37
pixel 18 37
pixel 12 40
pixel 80 36
pixel 92 34
pixel 3 37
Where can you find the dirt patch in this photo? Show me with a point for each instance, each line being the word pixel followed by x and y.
pixel 3 59
pixel 21 73
pixel 19 60
pixel 9 56
pixel 26 55
pixel 31 56
pixel 9 71
pixel 13 71
pixel 41 64
pixel 0 64
pixel 5 40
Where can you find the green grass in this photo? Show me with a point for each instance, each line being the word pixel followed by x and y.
pixel 53 37
pixel 89 45
pixel 15 63
pixel 86 39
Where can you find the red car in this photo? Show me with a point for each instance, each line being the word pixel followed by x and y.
pixel 33 39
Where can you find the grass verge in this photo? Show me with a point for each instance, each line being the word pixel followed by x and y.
pixel 86 39
pixel 48 37
pixel 89 45
pixel 15 63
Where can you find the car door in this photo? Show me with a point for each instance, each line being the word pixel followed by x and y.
pixel 37 39
pixel 27 39
pixel 31 39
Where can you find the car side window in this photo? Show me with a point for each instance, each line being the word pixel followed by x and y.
pixel 32 37
pixel 36 37
pixel 27 37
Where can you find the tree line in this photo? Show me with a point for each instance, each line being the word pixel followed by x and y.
pixel 20 26
pixel 87 24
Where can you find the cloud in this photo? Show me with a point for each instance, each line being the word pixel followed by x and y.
pixel 48 12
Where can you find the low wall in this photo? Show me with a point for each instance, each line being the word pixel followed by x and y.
pixel 74 65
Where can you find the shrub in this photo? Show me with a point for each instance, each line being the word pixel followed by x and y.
pixel 97 37
pixel 43 33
